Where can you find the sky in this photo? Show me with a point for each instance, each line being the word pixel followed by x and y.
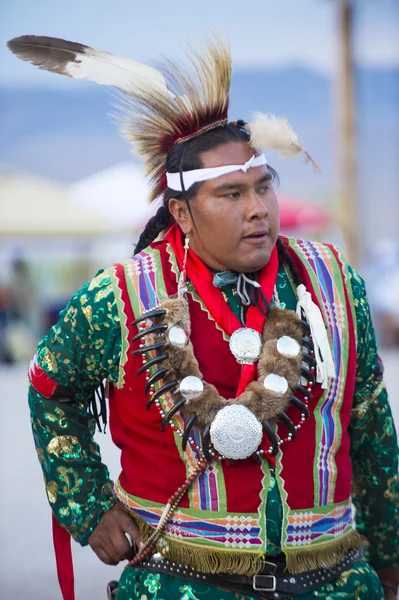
pixel 261 32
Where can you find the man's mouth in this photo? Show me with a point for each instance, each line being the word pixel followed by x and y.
pixel 256 236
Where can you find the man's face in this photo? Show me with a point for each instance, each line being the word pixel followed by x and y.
pixel 236 215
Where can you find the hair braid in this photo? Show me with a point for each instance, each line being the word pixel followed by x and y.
pixel 155 225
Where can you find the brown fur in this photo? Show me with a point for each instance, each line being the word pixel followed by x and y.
pixel 271 361
pixel 282 322
pixel 206 406
pixel 177 313
pixel 265 404
pixel 182 361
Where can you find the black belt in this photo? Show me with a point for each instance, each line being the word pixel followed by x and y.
pixel 272 582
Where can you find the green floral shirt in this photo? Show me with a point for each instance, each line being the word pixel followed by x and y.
pixel 84 347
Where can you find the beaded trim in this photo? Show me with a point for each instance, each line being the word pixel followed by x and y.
pixel 205 129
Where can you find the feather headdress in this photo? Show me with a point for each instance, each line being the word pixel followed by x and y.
pixel 159 108
pixel 155 114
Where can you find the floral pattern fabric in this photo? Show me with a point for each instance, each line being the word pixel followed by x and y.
pixel 360 582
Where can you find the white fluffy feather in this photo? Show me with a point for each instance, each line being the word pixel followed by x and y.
pixel 270 132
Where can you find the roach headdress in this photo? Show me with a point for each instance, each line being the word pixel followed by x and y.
pixel 160 107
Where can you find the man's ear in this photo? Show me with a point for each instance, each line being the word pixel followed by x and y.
pixel 179 211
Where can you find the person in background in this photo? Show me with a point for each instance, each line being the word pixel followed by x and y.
pixel 23 316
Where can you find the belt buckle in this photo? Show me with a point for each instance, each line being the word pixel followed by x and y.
pixel 271 571
pixel 261 587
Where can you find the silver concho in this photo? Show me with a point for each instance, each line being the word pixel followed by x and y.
pixel 178 336
pixel 246 345
pixel 191 387
pixel 275 383
pixel 235 432
pixel 287 346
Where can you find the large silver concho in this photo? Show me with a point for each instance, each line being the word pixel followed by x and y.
pixel 246 345
pixel 235 432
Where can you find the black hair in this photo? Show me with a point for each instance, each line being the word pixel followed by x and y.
pixel 185 157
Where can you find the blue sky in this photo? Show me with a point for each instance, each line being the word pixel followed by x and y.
pixel 261 32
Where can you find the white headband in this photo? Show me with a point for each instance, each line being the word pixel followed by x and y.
pixel 191 177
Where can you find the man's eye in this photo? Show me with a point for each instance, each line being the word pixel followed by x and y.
pixel 233 195
pixel 264 189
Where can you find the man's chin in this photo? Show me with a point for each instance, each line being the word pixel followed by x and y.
pixel 252 266
pixel 257 262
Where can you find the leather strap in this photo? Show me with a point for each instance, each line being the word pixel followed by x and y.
pixel 272 582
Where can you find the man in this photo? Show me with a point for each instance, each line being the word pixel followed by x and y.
pixel 245 389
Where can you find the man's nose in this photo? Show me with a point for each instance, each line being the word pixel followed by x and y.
pixel 257 206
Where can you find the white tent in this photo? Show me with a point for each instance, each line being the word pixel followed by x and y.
pixel 30 207
pixel 118 193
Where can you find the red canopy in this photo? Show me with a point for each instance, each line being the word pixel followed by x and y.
pixel 296 214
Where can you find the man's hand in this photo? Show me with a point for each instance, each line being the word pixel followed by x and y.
pixel 109 541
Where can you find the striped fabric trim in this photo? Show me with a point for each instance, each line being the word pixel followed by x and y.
pixel 146 288
pixel 318 525
pixel 322 267
pixel 206 527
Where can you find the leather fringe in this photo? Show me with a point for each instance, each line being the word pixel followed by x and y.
pixel 321 555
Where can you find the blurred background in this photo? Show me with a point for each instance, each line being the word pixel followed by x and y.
pixel 73 199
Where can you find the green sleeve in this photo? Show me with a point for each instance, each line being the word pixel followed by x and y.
pixel 374 448
pixel 79 352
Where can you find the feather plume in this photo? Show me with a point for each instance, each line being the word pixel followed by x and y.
pixel 153 115
pixel 153 124
pixel 82 62
pixel 270 132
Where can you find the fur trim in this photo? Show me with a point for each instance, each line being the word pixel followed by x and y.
pixel 178 312
pixel 265 404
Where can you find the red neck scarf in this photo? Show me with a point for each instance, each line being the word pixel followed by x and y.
pixel 202 279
